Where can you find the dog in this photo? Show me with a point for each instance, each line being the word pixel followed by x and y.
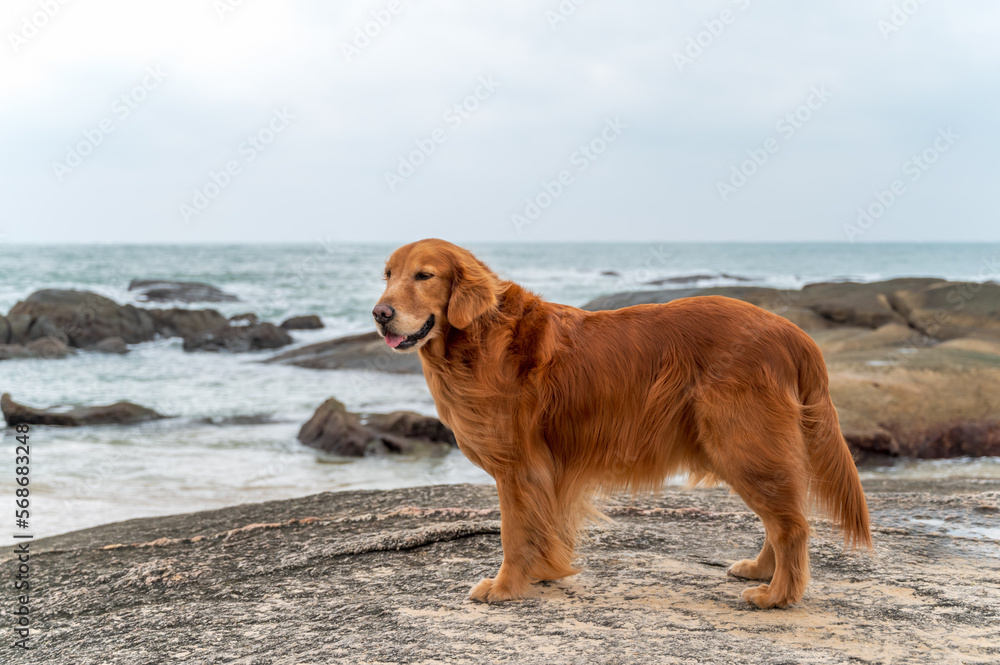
pixel 557 403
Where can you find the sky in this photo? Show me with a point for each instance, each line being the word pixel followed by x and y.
pixel 192 121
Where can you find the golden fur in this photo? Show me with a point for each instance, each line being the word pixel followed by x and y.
pixel 557 403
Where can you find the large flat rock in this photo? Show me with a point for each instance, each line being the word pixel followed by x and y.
pixel 382 577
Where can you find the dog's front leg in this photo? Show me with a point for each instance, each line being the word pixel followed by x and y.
pixel 526 531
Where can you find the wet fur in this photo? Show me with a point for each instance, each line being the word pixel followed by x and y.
pixel 556 403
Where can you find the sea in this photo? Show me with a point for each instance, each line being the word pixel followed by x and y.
pixel 231 435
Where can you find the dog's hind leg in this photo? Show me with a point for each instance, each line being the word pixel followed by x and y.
pixel 753 440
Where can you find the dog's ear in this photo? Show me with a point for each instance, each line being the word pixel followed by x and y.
pixel 473 292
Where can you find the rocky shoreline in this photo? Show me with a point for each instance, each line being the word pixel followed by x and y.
pixel 914 363
pixel 382 577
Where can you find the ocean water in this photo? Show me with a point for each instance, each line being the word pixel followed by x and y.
pixel 231 437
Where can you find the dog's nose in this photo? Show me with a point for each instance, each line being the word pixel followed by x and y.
pixel 383 313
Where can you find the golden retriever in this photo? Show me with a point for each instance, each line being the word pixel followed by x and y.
pixel 556 403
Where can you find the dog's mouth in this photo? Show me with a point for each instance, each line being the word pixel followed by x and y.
pixel 403 342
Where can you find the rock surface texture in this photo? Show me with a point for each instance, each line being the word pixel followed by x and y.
pixel 382 577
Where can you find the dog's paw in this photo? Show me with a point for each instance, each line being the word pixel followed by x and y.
pixel 749 570
pixel 761 597
pixel 488 591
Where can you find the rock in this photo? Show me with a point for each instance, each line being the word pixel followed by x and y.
pixel 610 273
pixel 120 413
pixel 333 429
pixel 949 310
pixel 309 322
pixel 158 290
pixel 410 425
pixel 366 351
pixel 110 345
pixel 4 330
pixel 19 325
pixel 85 318
pixel 46 348
pixel 187 322
pixel 239 339
pixel 246 317
pixel 390 570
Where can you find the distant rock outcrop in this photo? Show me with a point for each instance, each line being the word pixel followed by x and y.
pixel 161 290
pixel 120 413
pixel 84 317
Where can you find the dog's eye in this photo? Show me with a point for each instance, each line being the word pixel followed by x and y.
pixel 388 274
pixel 422 276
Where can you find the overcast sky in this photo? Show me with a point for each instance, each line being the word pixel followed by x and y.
pixel 255 120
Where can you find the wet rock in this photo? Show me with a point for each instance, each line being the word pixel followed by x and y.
pixel 333 429
pixel 110 345
pixel 410 425
pixel 366 351
pixel 86 318
pixel 239 339
pixel 391 571
pixel 157 290
pixel 308 322
pixel 120 413
pixel 45 348
pixel 187 322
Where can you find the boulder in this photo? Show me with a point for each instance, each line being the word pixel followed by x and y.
pixel 159 290
pixel 46 348
pixel 366 351
pixel 120 413
pixel 335 430
pixel 309 322
pixel 187 322
pixel 84 317
pixel 410 425
pixel 110 345
pixel 239 339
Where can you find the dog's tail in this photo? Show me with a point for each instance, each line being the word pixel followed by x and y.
pixel 836 486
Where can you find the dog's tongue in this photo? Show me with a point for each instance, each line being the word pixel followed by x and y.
pixel 393 340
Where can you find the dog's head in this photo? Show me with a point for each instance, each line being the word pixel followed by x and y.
pixel 431 284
